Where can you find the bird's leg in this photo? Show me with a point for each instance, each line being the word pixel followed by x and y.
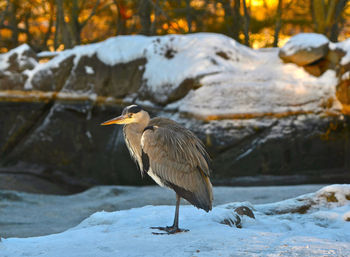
pixel 175 227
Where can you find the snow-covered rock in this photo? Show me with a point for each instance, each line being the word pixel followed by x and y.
pixel 304 48
pixel 13 66
pixel 321 230
pixel 343 88
pixel 345 46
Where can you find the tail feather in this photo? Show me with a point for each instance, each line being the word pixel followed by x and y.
pixel 201 196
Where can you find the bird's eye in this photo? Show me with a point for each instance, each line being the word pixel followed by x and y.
pixel 129 115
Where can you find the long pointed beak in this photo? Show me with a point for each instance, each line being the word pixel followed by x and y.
pixel 122 119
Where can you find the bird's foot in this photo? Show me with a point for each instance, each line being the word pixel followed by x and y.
pixel 168 230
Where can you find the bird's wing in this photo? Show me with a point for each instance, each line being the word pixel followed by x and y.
pixel 177 157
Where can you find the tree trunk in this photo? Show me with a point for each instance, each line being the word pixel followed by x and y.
pixel 14 23
pixel 145 9
pixel 228 18
pixel 278 23
pixel 236 19
pixel 75 27
pixel 246 23
pixel 26 23
pixel 62 35
pixel 189 17
pixel 121 21
pixel 324 15
pixel 156 15
pixel 334 32
pixel 47 35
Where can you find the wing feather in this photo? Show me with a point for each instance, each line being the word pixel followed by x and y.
pixel 179 159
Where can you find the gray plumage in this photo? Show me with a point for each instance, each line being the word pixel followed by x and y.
pixel 171 154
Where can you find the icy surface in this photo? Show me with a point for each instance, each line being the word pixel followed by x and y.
pixel 58 213
pixel 280 229
pixel 304 41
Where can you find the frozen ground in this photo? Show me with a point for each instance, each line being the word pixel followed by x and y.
pixel 315 224
pixel 47 214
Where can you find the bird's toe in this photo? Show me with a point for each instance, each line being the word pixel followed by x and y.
pixel 169 230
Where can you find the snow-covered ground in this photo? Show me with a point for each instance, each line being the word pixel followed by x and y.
pixel 315 224
pixel 59 213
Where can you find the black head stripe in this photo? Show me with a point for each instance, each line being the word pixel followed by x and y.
pixel 131 109
pixel 134 109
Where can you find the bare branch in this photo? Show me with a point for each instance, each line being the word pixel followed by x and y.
pixel 93 12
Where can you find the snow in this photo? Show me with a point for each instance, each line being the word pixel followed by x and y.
pixel 189 56
pixel 264 86
pixel 346 75
pixel 19 51
pixel 304 41
pixel 345 46
pixel 89 70
pixel 58 213
pixel 279 229
pixel 48 54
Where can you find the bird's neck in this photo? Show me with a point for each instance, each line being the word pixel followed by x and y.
pixel 135 128
pixel 132 134
pixel 139 126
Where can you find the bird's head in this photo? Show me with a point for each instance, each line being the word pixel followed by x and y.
pixel 131 114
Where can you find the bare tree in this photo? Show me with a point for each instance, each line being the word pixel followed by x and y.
pixel 77 26
pixel 228 18
pixel 338 19
pixel 51 22
pixel 13 22
pixel 278 24
pixel 156 17
pixel 121 18
pixel 326 15
pixel 189 15
pixel 62 35
pixel 236 19
pixel 145 9
pixel 246 23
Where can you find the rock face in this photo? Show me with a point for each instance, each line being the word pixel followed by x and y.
pixel 259 127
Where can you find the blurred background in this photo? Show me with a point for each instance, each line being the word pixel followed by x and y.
pixel 60 24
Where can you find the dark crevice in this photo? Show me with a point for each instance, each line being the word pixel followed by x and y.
pixel 24 132
pixel 254 138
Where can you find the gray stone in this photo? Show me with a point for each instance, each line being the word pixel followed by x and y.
pixel 93 76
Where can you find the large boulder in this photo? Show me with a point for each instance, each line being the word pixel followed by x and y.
pixel 305 48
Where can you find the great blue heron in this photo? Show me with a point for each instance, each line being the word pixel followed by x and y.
pixel 171 155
